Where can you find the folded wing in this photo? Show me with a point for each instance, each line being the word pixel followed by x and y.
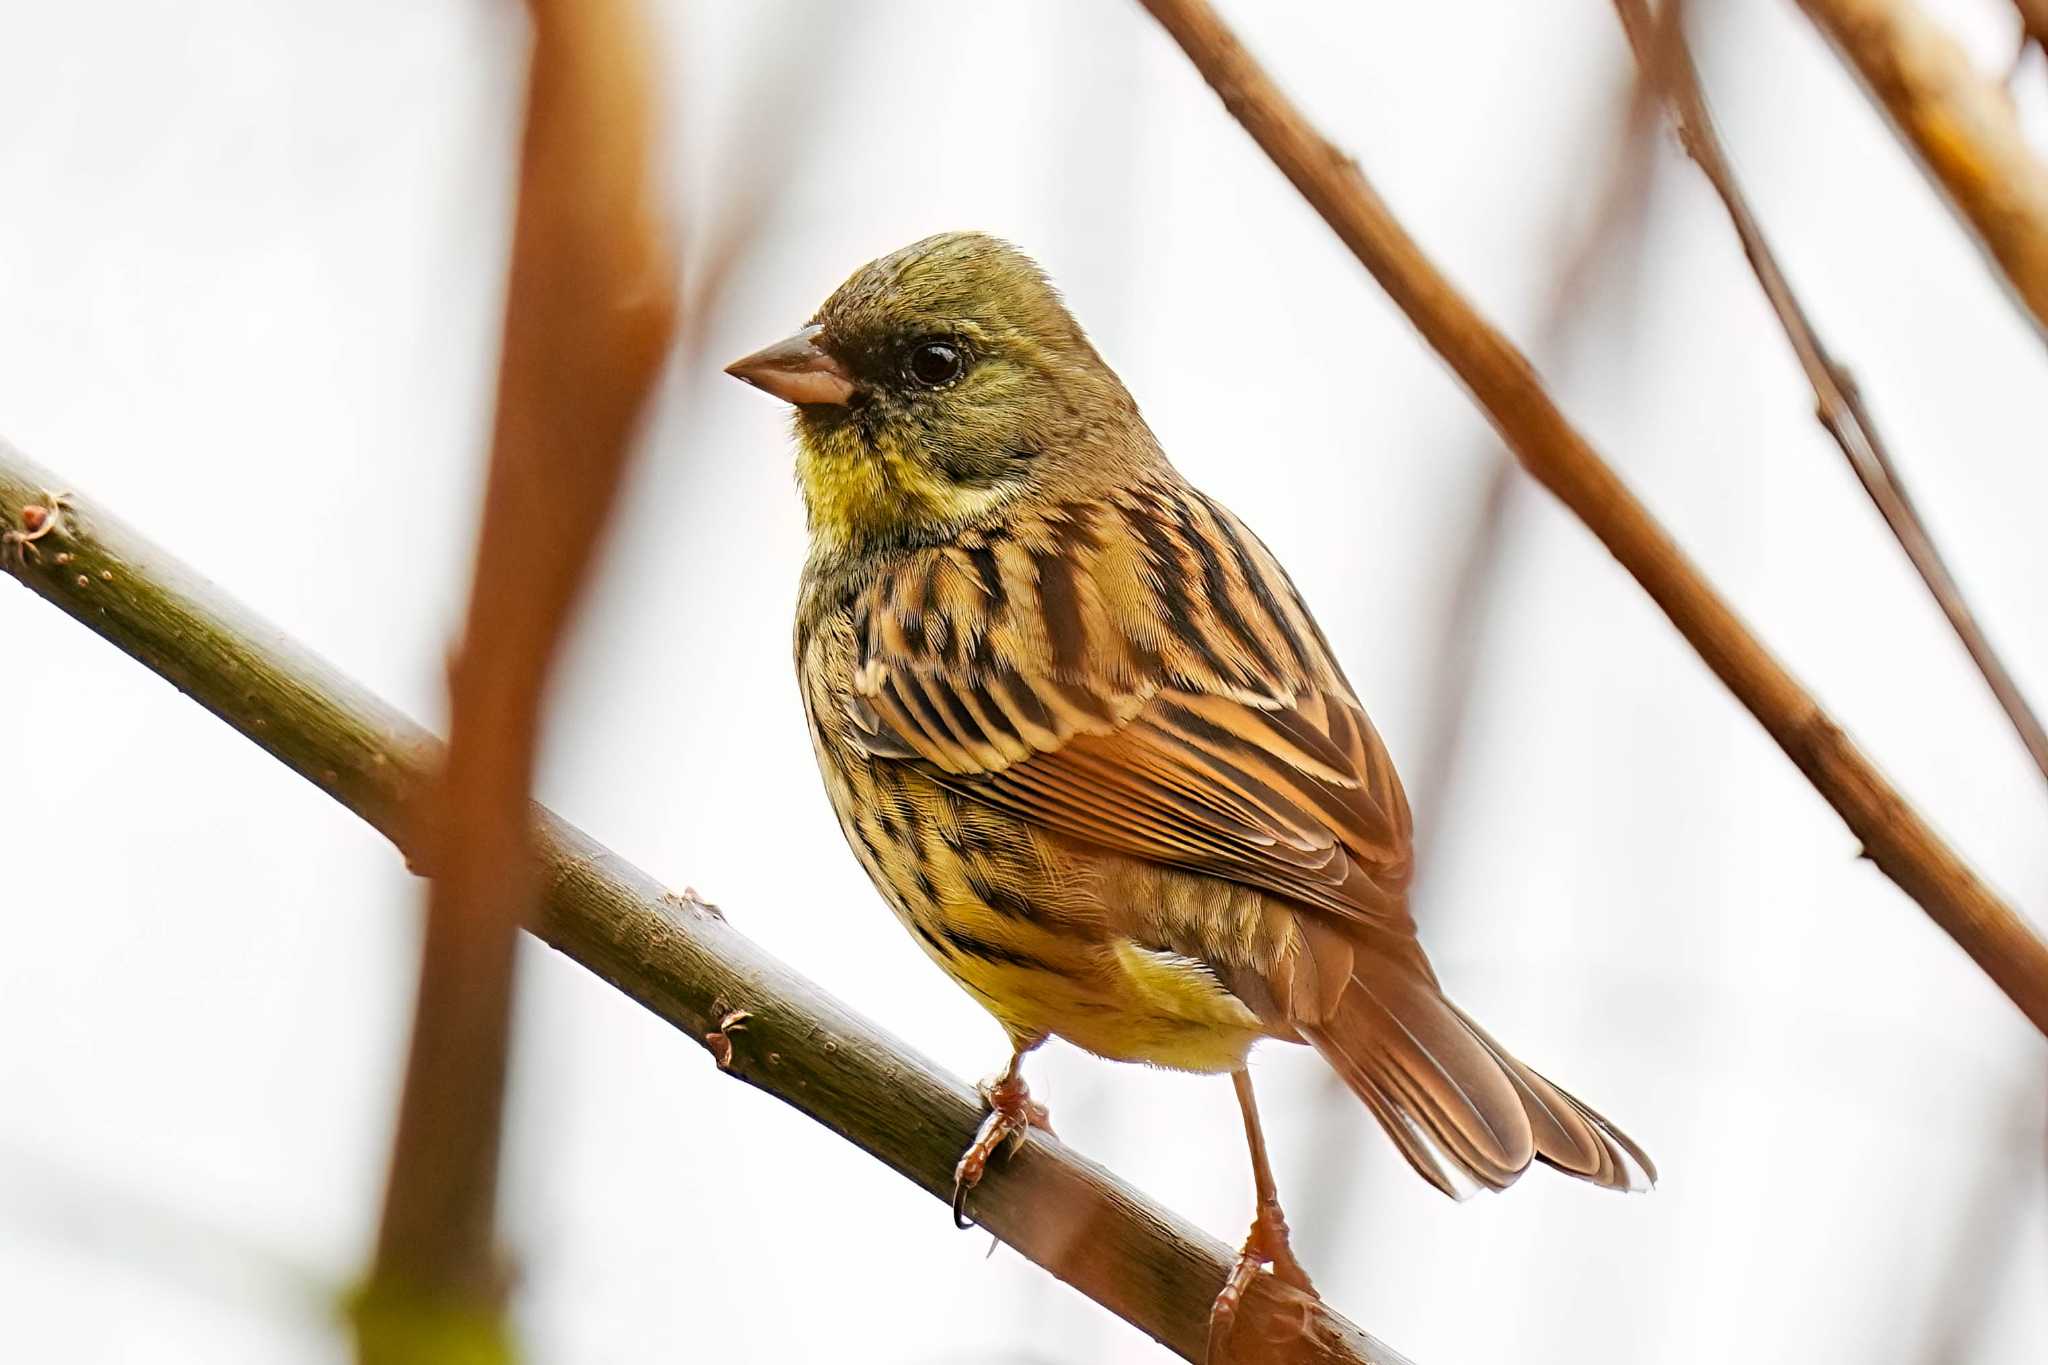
pixel 1158 692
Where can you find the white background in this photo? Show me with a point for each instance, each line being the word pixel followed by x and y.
pixel 250 261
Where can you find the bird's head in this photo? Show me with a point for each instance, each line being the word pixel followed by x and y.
pixel 937 386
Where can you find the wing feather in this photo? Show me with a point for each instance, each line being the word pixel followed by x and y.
pixel 1172 702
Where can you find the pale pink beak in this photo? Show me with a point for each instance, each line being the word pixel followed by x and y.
pixel 797 370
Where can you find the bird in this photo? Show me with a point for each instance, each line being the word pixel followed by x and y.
pixel 1085 737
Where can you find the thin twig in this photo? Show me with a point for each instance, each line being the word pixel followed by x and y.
pixel 1998 1218
pixel 672 954
pixel 1665 55
pixel 161 1237
pixel 1893 835
pixel 1611 230
pixel 1962 127
pixel 779 100
pixel 589 317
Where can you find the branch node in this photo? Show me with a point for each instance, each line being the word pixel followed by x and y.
pixel 38 520
pixel 689 900
pixel 719 1040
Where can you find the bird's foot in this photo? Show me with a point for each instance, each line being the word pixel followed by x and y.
pixel 1011 1113
pixel 1266 1245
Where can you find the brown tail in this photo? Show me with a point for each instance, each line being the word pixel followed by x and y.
pixel 1458 1106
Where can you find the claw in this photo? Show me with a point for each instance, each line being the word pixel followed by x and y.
pixel 1223 1313
pixel 1266 1245
pixel 1011 1114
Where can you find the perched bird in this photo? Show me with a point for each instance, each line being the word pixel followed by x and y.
pixel 1083 734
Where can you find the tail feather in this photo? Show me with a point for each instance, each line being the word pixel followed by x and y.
pixel 1570 1135
pixel 1462 1110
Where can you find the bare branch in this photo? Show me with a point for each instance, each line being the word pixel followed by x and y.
pixel 1661 48
pixel 672 954
pixel 2033 20
pixel 1894 836
pixel 589 317
pixel 1962 127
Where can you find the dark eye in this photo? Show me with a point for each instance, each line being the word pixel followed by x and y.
pixel 935 364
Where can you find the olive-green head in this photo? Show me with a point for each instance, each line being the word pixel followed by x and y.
pixel 938 385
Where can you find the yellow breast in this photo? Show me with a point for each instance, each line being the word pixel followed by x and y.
pixel 1013 915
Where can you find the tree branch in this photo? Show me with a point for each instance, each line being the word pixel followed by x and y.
pixel 1960 125
pixel 589 316
pixel 2033 20
pixel 677 957
pixel 1501 379
pixel 1666 58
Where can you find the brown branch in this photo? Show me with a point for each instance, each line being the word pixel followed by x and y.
pixel 2033 20
pixel 671 954
pixel 1960 125
pixel 1661 47
pixel 589 317
pixel 1500 378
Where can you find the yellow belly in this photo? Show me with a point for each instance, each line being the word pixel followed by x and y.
pixel 1024 924
pixel 1030 941
pixel 1113 998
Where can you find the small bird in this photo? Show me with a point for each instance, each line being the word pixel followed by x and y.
pixel 1095 753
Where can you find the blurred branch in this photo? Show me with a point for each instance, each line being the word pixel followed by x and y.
pixel 2033 20
pixel 1612 229
pixel 57 1200
pixel 781 94
pixel 1662 50
pixel 589 317
pixel 1894 836
pixel 1990 1233
pixel 677 957
pixel 1477 574
pixel 1960 124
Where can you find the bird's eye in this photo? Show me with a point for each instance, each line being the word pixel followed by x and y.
pixel 935 364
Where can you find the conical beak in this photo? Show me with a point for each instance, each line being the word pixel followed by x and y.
pixel 797 370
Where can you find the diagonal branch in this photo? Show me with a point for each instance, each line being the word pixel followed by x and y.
pixel 589 316
pixel 1661 48
pixel 2033 21
pixel 1962 127
pixel 677 957
pixel 1894 836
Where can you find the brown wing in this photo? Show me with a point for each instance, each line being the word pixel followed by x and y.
pixel 1138 674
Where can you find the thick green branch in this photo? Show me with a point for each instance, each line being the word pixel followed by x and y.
pixel 777 1031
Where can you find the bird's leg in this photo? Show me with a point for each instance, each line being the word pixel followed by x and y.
pixel 1011 1112
pixel 1267 1242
